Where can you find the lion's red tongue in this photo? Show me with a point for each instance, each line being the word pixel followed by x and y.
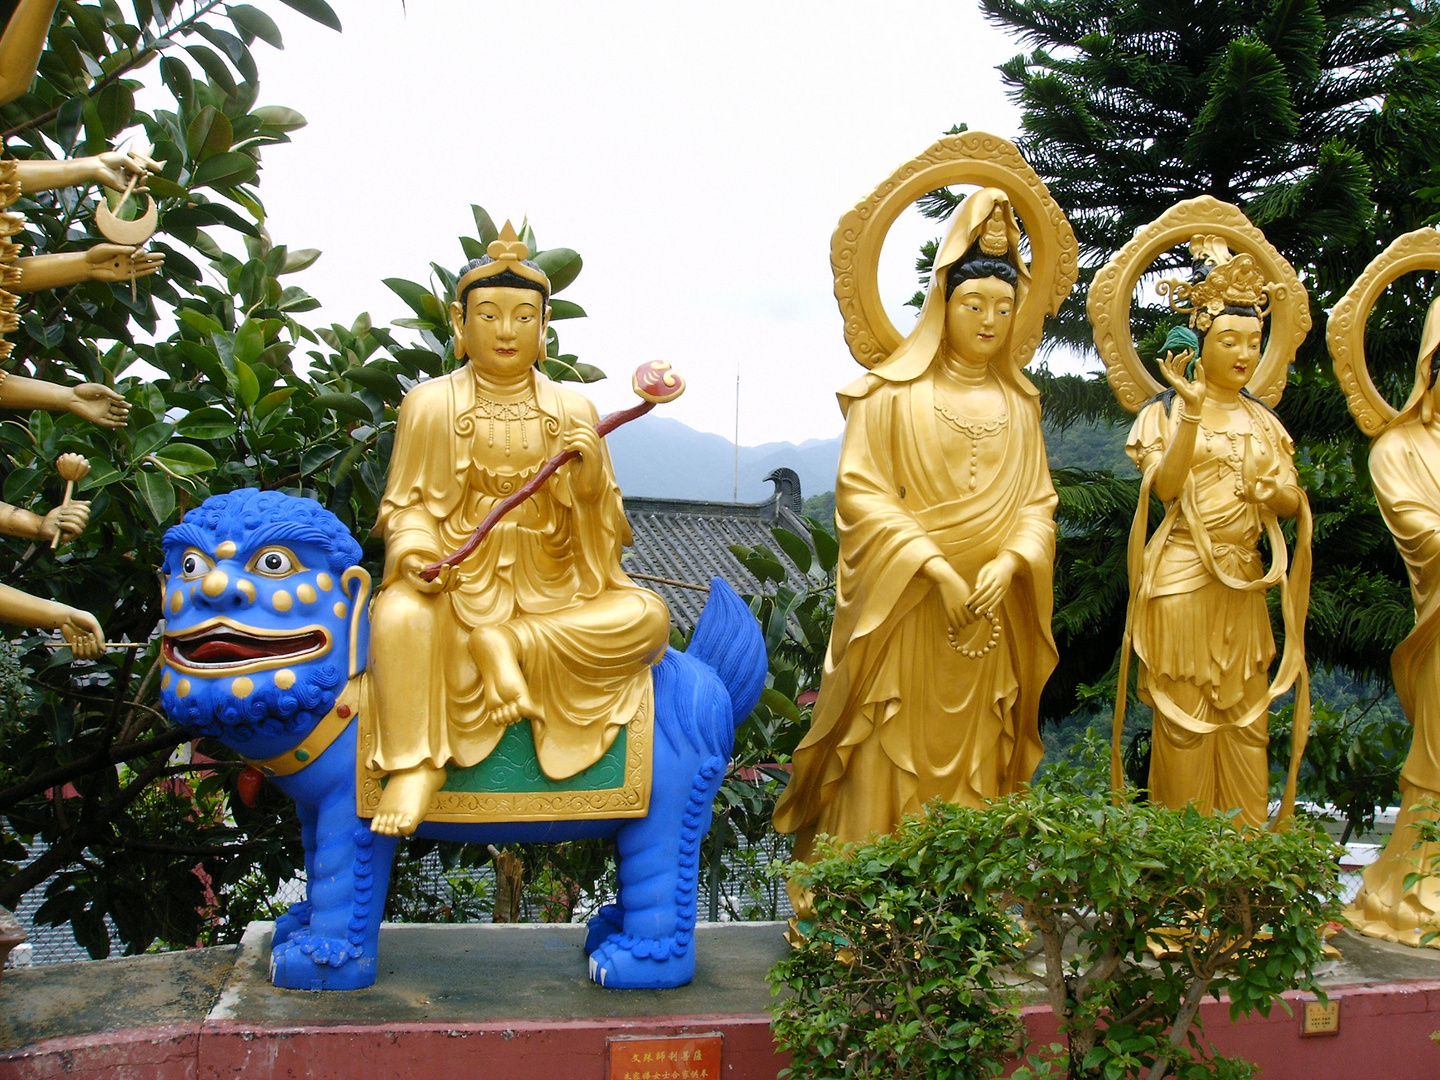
pixel 224 651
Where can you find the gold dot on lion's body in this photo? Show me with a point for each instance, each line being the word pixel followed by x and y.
pixel 182 688
pixel 225 549
pixel 342 609
pixel 306 593
pixel 284 678
pixel 214 583
pixel 165 681
pixel 281 600
pixel 324 582
pixel 177 601
pixel 242 687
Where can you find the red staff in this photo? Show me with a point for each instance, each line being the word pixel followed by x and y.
pixel 654 383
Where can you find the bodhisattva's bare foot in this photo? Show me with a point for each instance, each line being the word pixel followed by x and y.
pixel 507 696
pixel 405 799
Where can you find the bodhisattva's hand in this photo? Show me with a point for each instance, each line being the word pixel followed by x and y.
pixel 82 632
pixel 993 582
pixel 589 471
pixel 1280 498
pixel 99 404
pixel 410 567
pixel 1191 390
pixel 68 519
pixel 954 593
pixel 116 262
pixel 114 169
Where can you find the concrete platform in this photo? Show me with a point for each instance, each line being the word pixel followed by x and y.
pixel 476 1000
pixel 513 1001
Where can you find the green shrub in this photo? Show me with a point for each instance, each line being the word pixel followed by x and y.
pixel 915 938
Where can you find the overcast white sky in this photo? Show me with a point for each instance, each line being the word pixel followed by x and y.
pixel 697 156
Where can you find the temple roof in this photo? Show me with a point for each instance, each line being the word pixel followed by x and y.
pixel 688 541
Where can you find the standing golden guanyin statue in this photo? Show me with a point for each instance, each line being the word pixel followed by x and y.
pixel 945 514
pixel 539 622
pixel 1405 469
pixel 1215 454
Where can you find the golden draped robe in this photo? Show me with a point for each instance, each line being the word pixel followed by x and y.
pixel 903 717
pixel 1405 469
pixel 1198 618
pixel 549 573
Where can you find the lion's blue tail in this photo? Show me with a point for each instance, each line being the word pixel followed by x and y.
pixel 728 641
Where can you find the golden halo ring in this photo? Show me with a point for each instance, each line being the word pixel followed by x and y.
pixel 1345 332
pixel 1113 290
pixel 972 157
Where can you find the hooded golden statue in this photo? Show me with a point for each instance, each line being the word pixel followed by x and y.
pixel 945 516
pixel 540 621
pixel 1405 469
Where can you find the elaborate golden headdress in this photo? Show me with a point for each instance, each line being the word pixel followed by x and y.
pixel 1232 281
pixel 507 253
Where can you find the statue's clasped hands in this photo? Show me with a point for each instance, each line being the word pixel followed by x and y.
pixel 963 605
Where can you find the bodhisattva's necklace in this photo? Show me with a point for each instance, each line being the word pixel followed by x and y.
pixel 520 412
pixel 974 430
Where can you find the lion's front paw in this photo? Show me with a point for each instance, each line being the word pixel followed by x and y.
pixel 608 921
pixel 308 961
pixel 293 921
pixel 624 962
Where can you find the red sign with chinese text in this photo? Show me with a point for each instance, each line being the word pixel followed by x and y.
pixel 680 1057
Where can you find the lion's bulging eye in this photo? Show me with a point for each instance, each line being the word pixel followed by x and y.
pixel 193 564
pixel 275 562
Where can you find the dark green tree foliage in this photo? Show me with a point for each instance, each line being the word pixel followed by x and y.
pixel 247 394
pixel 1318 119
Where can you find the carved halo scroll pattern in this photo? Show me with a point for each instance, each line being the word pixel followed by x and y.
pixel 1113 290
pixel 972 157
pixel 1345 331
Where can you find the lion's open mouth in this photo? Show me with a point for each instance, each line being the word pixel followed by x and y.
pixel 224 645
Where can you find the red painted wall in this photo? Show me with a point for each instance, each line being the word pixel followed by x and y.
pixel 1384 1032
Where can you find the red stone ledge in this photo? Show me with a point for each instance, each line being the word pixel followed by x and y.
pixel 1384 1031
pixel 500 1050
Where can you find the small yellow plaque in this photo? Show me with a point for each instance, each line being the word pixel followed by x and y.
pixel 665 1057
pixel 1320 1019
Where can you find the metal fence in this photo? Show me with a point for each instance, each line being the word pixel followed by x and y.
pixel 742 890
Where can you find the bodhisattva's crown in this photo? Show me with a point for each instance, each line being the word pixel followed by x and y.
pixel 1232 281
pixel 507 252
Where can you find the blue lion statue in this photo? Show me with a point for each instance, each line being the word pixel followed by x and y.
pixel 265 647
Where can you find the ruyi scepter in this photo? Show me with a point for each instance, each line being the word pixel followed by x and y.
pixel 654 383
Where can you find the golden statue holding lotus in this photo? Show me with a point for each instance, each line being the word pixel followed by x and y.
pixel 1214 453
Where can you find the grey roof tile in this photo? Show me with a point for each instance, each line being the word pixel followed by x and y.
pixel 688 541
